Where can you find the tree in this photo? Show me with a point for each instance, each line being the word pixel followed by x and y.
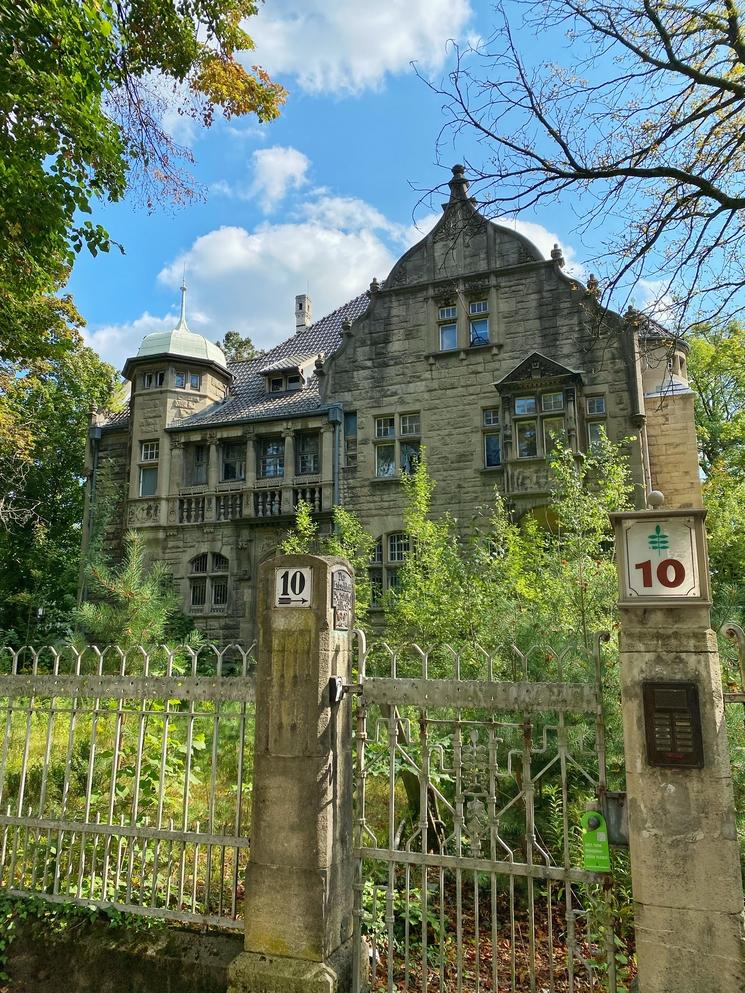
pixel 644 125
pixel 44 412
pixel 716 367
pixel 84 85
pixel 132 604
pixel 348 540
pixel 237 348
pixel 509 580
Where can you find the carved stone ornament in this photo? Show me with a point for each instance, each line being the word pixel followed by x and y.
pixel 476 288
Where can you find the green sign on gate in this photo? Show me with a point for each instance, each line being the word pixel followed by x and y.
pixel 595 850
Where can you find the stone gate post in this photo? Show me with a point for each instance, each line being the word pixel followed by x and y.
pixel 298 936
pixel 686 881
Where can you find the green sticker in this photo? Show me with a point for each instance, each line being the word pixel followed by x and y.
pixel 596 853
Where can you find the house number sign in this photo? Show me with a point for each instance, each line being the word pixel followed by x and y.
pixel 662 558
pixel 293 587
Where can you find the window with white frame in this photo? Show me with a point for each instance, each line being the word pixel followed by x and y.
pixel 447 328
pixel 397 444
pixel 148 470
pixel 551 402
pixel 270 458
pixel 153 379
pixel 526 437
pixel 553 433
pixel 538 423
pixel 525 405
pixel 478 322
pixel 384 572
pixel 195 381
pixel 595 414
pixel 149 451
pixel 595 432
pixel 490 438
pixel 492 450
pixel 180 380
pixel 208 583
pixel 307 454
pixel 233 461
pixel 410 425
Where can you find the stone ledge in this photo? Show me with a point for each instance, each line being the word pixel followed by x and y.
pixel 96 958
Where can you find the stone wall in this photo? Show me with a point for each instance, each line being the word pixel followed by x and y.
pixel 94 958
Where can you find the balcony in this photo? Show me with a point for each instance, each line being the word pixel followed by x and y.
pixel 312 495
pixel 268 503
pixel 228 506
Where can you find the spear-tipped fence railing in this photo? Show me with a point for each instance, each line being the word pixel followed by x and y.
pixel 125 778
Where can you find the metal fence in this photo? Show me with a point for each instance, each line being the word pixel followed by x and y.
pixel 472 773
pixel 125 778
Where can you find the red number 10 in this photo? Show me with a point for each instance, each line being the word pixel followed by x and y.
pixel 663 572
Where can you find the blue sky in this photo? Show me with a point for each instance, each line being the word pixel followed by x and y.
pixel 320 200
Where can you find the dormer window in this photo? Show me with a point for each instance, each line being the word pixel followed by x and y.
pixel 294 382
pixel 276 385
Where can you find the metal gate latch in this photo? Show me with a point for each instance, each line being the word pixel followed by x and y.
pixel 339 689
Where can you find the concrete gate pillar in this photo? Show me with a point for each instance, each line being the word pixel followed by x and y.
pixel 686 880
pixel 299 894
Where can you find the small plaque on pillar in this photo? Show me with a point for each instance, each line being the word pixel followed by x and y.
pixel 662 558
pixel 342 599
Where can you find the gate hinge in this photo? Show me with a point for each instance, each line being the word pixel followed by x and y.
pixel 338 689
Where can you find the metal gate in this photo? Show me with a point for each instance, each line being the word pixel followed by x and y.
pixel 472 771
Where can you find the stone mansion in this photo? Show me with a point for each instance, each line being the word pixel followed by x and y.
pixel 474 345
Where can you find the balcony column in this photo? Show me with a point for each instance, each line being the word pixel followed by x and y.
pixel 287 501
pixel 250 484
pixel 213 475
pixel 327 466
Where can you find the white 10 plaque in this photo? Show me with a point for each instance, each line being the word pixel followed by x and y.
pixel 661 557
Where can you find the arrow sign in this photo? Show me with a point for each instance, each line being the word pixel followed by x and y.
pixel 293 587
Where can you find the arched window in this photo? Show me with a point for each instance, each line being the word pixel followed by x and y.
pixel 208 583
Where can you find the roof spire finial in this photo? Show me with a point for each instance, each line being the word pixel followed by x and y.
pixel 182 325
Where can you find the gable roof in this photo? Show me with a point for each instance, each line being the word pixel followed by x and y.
pixel 537 366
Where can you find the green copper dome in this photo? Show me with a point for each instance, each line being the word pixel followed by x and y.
pixel 181 342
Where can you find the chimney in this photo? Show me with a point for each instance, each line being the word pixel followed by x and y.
pixel 303 319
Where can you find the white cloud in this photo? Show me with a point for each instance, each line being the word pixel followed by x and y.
pixel 353 214
pixel 343 47
pixel 544 240
pixel 277 170
pixel 653 296
pixel 247 280
pixel 117 342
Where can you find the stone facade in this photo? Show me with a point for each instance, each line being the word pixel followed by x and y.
pixel 474 346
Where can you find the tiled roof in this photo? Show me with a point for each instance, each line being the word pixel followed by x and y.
pixel 248 399
pixel 118 421
pixel 291 362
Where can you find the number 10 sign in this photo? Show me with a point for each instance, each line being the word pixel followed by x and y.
pixel 662 557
